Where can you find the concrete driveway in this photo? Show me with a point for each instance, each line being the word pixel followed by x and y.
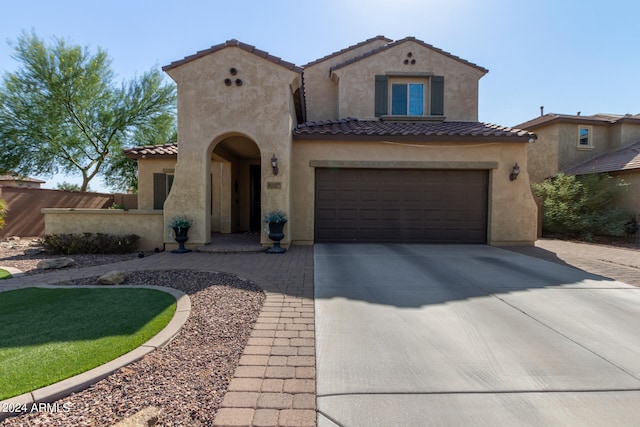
pixel 471 335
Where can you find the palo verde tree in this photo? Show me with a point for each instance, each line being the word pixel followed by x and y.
pixel 62 112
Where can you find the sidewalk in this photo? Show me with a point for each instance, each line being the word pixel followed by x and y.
pixel 274 383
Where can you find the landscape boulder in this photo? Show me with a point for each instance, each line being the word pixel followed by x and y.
pixel 148 417
pixel 115 277
pixel 47 264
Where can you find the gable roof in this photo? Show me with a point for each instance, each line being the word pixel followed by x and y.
pixel 235 43
pixel 405 40
pixel 627 158
pixel 597 119
pixel 347 49
pixel 164 151
pixel 352 128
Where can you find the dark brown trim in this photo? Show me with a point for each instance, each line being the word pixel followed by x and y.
pixel 399 42
pixel 347 49
pixel 235 43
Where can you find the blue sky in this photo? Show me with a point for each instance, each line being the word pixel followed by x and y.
pixel 569 56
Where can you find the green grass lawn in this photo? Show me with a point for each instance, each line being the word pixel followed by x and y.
pixel 4 274
pixel 47 335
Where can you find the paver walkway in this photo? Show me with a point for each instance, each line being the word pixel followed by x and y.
pixel 274 383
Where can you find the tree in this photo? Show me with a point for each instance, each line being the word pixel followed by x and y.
pixel 61 112
pixel 582 206
pixel 68 186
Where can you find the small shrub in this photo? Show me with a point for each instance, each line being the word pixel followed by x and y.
pixel 90 243
pixel 275 216
pixel 3 212
pixel 582 206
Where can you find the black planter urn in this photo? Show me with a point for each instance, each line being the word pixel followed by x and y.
pixel 276 234
pixel 181 238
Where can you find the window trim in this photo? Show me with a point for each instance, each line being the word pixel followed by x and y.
pixel 589 145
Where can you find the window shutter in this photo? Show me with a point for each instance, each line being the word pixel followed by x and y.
pixel 437 96
pixel 382 95
pixel 159 190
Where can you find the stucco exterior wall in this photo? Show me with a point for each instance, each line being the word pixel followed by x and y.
pixel 321 92
pixel 512 216
pixel 146 169
pixel 210 111
pixel 356 81
pixel 624 133
pixel 630 200
pixel 148 224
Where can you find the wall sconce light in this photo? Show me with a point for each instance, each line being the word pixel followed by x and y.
pixel 274 164
pixel 514 172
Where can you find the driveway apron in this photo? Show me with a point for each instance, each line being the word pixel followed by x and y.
pixel 471 335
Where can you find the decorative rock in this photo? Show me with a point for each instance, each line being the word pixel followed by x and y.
pixel 47 264
pixel 114 277
pixel 148 417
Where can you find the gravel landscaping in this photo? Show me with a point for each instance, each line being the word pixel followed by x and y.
pixel 188 378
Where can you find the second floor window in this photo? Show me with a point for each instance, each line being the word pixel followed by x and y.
pixel 407 99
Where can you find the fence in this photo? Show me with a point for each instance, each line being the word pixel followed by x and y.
pixel 25 217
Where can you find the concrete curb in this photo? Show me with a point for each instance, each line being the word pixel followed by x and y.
pixel 81 381
pixel 13 271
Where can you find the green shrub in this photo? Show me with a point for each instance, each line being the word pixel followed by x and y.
pixel 3 212
pixel 90 243
pixel 582 206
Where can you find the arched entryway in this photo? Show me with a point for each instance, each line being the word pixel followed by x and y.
pixel 235 185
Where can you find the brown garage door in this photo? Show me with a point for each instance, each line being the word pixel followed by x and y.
pixel 398 205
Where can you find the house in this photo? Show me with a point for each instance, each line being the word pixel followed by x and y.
pixel 578 145
pixel 378 142
pixel 13 180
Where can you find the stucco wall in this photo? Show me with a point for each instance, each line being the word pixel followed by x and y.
pixel 512 210
pixel 146 169
pixel 356 81
pixel 321 92
pixel 542 155
pixel 210 111
pixel 148 224
pixel 630 199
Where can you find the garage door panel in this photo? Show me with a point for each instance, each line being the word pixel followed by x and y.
pixel 382 205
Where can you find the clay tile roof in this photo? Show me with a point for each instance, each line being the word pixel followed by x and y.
pixel 235 43
pixel 352 128
pixel 627 158
pixel 340 52
pixel 165 151
pixel 404 40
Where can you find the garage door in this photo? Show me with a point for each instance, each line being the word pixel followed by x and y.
pixel 399 205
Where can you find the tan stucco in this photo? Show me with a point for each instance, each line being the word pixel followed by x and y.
pixel 146 169
pixel 512 211
pixel 356 81
pixel 320 91
pixel 630 199
pixel 210 112
pixel 148 224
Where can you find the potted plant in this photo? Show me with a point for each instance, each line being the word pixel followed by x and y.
pixel 180 226
pixel 276 221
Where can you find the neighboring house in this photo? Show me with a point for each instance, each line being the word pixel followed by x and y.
pixel 379 142
pixel 581 145
pixel 13 180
